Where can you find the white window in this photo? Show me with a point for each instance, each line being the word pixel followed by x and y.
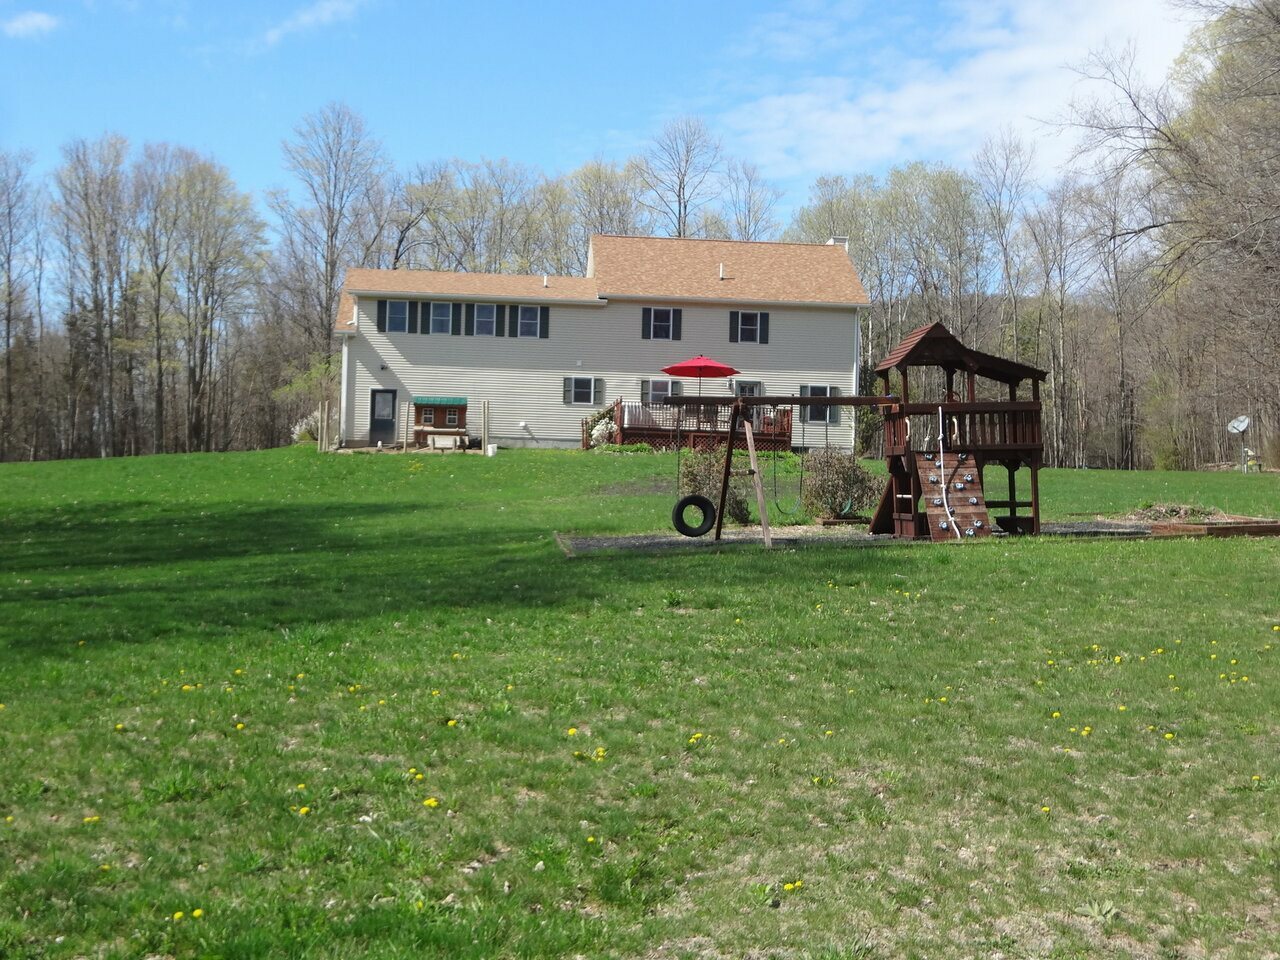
pixel 820 413
pixel 661 329
pixel 451 417
pixel 528 323
pixel 748 327
pixel 428 416
pixel 585 391
pixel 748 388
pixel 659 390
pixel 441 317
pixel 397 316
pixel 486 319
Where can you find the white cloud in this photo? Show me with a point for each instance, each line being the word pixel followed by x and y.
pixel 29 24
pixel 937 95
pixel 319 14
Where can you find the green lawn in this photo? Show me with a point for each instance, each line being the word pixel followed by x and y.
pixel 363 706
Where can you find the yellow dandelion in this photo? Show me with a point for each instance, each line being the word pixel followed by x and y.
pixel 104 867
pixel 239 726
pixel 571 732
pixel 1122 708
pixel 418 776
pixel 1055 715
pixel 829 733
pixel 178 915
pixel 788 886
pixel 197 913
pixel 591 839
pixel 1168 736
pixel 119 727
pixel 431 802
pixel 1044 809
pixel 303 811
pixel 452 723
pixel 301 786
pixel 435 693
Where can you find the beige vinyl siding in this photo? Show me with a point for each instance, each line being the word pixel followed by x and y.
pixel 523 377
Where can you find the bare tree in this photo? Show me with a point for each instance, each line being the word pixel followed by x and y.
pixel 679 173
pixel 17 235
pixel 750 201
pixel 337 221
pixel 1003 171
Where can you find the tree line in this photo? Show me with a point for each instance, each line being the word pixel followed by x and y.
pixel 149 305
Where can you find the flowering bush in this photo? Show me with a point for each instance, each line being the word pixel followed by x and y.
pixel 307 430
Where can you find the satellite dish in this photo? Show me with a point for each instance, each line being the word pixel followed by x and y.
pixel 1238 425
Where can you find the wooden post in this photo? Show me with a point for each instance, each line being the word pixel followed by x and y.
pixel 1035 494
pixel 484 427
pixel 734 416
pixel 755 481
pixel 408 423
pixel 1012 467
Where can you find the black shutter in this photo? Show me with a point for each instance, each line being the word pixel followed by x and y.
pixel 833 413
pixel 413 316
pixel 675 324
pixel 500 320
pixel 646 324
pixel 544 323
pixel 470 328
pixel 456 326
pixel 764 328
pixel 597 390
pixel 382 316
pixel 644 391
pixel 733 326
pixel 513 327
pixel 568 389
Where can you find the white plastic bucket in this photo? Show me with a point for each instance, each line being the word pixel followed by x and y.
pixel 491 450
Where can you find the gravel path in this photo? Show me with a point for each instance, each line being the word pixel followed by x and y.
pixel 799 536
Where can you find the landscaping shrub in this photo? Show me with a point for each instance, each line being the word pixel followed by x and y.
pixel 836 484
pixel 701 472
pixel 623 448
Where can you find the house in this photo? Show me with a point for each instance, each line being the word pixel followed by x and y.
pixel 422 351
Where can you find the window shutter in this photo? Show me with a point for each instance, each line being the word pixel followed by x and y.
pixel 470 328
pixel 764 328
pixel 568 389
pixel 676 316
pixel 513 329
pixel 456 326
pixel 597 390
pixel 544 323
pixel 645 395
pixel 382 316
pixel 677 388
pixel 413 316
pixel 500 320
pixel 733 326
pixel 646 324
pixel 833 413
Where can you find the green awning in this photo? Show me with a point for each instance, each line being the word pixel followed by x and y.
pixel 440 401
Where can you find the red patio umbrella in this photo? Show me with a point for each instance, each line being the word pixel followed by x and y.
pixel 699 368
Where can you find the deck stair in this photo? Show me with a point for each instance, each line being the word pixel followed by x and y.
pixel 958 473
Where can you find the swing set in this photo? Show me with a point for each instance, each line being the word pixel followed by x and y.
pixel 935 490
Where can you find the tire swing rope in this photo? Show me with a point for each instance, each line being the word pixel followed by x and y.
pixel 701 503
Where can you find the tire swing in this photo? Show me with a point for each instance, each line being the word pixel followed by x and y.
pixel 698 502
pixel 693 500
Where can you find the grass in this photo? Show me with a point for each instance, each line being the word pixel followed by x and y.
pixel 1039 748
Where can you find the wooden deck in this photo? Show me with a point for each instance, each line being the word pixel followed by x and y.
pixel 695 426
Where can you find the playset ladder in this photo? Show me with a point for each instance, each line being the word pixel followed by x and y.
pixel 958 473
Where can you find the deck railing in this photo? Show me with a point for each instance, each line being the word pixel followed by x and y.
pixel 696 426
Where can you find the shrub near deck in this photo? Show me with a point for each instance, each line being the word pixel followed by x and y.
pixel 282 704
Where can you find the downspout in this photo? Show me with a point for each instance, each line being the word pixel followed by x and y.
pixel 342 400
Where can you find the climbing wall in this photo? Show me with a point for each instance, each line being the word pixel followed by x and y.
pixel 963 495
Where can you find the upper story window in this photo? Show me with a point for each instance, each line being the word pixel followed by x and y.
pixel 397 316
pixel 660 323
pixel 486 319
pixel 441 317
pixel 748 326
pixel 528 324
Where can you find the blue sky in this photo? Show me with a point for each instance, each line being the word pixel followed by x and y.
pixel 801 88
